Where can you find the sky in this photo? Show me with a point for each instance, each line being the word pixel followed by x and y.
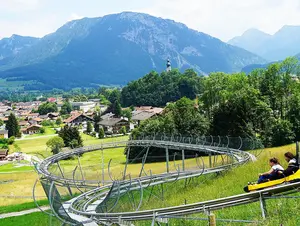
pixel 223 19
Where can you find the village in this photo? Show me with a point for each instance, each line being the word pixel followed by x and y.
pixel 79 114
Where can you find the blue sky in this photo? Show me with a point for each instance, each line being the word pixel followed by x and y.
pixel 223 19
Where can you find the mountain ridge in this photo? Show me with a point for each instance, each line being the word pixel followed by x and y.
pixel 280 45
pixel 118 48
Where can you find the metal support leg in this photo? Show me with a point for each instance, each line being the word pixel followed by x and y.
pixel 183 158
pixel 263 207
pixel 102 165
pixel 80 168
pixel 167 160
pixel 144 161
pixel 210 160
pixel 62 174
pixel 127 161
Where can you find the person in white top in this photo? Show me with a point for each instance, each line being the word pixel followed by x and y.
pixel 275 168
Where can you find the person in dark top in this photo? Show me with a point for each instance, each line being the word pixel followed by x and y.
pixel 292 167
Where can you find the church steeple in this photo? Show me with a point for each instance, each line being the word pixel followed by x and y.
pixel 169 68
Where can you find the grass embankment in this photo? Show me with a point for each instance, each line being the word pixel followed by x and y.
pixel 33 219
pixel 281 211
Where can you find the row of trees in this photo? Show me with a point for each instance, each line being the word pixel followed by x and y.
pixel 264 104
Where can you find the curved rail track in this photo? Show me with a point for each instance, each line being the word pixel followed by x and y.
pixel 96 205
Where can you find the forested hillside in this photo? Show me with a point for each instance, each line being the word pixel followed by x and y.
pixel 264 105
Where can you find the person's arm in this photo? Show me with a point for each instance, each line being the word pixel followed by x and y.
pixel 267 173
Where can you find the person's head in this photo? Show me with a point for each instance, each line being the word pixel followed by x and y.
pixel 288 156
pixel 273 161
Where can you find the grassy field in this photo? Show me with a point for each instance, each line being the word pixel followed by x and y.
pixel 200 189
pixel 48 131
pixel 14 167
pixel 33 219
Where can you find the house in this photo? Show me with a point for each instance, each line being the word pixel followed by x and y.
pixel 4 134
pixel 143 113
pixel 36 121
pixel 33 115
pixel 107 116
pixel 84 106
pixel 33 129
pixel 53 115
pixel 51 99
pixel 3 154
pixel 24 123
pixel 114 125
pixel 78 119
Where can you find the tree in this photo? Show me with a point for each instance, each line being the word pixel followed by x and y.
pixel 66 108
pixel 58 121
pixel 12 126
pixel 55 144
pixel 89 127
pixel 97 119
pixel 69 134
pixel 47 107
pixel 127 113
pixel 123 130
pixel 101 133
pixel 282 133
pixel 117 109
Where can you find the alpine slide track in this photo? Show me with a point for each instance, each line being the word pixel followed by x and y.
pixel 95 201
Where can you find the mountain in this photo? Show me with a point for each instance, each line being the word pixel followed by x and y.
pixel 279 46
pixel 10 47
pixel 118 48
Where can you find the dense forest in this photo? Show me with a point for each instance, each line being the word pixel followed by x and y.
pixel 265 104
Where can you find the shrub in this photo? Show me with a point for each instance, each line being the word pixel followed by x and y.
pixel 11 140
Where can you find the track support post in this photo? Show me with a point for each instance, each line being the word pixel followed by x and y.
pixel 263 206
pixel 212 219
pixel 102 165
pixel 127 161
pixel 167 160
pixel 183 158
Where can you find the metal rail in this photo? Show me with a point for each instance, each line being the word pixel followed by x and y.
pixel 92 204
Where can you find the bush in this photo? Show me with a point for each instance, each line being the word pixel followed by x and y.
pixel 93 134
pixel 101 133
pixel 123 130
pixel 47 123
pixel 42 130
pixel 11 140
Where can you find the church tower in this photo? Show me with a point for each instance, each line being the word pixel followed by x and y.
pixel 169 68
